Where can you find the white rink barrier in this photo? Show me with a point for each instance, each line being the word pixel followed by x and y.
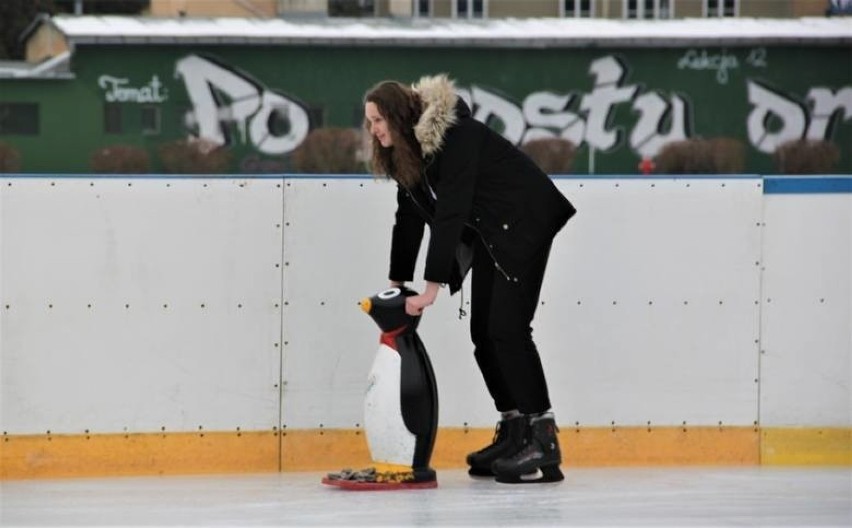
pixel 183 304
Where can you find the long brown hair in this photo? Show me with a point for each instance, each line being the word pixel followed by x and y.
pixel 401 107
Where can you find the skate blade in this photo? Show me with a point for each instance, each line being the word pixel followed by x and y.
pixel 542 475
pixel 354 485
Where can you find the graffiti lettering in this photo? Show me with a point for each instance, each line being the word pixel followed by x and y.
pixel 826 105
pixel 757 58
pixel 720 62
pixel 221 97
pixel 490 106
pixel 548 115
pixel 776 118
pixel 648 137
pixel 600 104
pixel 773 120
pixel 545 111
pixel 116 90
pixel 226 102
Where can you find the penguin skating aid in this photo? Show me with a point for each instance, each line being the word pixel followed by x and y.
pixel 400 405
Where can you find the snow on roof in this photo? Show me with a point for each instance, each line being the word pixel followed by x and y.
pixel 58 67
pixel 532 32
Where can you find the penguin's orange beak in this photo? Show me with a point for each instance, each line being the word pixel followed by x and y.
pixel 366 305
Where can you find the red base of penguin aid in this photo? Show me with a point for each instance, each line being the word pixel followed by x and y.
pixel 373 479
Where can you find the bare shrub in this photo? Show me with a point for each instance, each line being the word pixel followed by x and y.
pixel 728 155
pixel 195 156
pixel 673 157
pixel 10 158
pixel 120 159
pixel 701 156
pixel 330 151
pixel 806 156
pixel 552 155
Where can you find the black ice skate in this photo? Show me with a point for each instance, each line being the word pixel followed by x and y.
pixel 539 459
pixel 508 440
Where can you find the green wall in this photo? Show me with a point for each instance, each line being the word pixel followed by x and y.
pixel 328 83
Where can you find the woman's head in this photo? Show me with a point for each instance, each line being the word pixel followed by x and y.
pixel 391 109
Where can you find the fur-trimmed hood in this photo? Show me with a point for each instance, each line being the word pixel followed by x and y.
pixel 439 111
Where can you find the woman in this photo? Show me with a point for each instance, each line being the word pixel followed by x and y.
pixel 489 209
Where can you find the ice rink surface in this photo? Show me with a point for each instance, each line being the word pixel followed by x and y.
pixel 587 497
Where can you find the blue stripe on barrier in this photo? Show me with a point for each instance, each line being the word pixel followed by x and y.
pixel 807 185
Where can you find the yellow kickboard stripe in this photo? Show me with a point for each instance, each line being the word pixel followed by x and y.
pixel 46 456
pixel 324 450
pixel 625 446
pixel 830 446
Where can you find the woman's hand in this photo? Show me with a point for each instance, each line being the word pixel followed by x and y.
pixel 415 304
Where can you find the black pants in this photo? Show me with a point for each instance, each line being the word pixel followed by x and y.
pixel 501 312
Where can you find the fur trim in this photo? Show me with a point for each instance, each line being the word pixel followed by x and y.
pixel 438 95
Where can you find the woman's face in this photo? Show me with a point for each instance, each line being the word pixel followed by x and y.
pixel 378 125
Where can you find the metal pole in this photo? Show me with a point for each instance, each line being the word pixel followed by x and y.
pixel 591 159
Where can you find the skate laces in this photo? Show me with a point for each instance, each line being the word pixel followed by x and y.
pixel 498 434
pixel 497 430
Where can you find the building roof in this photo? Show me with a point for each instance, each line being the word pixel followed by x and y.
pixel 58 67
pixel 534 32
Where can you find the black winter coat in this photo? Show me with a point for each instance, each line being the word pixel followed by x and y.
pixel 476 184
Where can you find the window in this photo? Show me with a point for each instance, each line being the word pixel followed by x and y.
pixel 19 119
pixel 422 8
pixel 721 8
pixel 113 124
pixel 120 7
pixel 649 9
pixel 351 8
pixel 577 8
pixel 151 120
pixel 469 8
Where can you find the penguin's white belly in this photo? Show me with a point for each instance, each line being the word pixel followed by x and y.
pixel 389 440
